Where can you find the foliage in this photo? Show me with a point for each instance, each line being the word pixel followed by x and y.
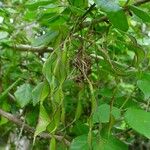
pixel 76 71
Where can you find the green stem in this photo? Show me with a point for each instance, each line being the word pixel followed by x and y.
pixel 3 94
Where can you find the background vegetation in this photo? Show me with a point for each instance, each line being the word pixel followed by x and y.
pixel 75 74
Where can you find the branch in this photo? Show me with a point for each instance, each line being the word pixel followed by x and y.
pixel 31 130
pixel 140 2
pixel 40 49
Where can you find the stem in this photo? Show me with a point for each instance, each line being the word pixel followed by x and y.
pixel 9 88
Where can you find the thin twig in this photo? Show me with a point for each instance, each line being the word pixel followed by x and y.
pixel 40 49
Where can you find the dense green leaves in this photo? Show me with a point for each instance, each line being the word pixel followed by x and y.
pixel 23 94
pixel 73 69
pixel 139 120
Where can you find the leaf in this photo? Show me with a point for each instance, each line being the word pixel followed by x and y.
pixel 43 121
pixel 78 110
pixel 55 121
pixel 79 4
pixel 115 13
pixel 53 144
pixel 140 13
pixel 32 116
pixel 60 71
pixel 61 67
pixel 40 92
pixel 119 20
pixel 139 52
pixel 108 6
pixel 139 120
pixel 3 35
pixel 23 94
pixel 45 39
pixel 144 86
pixel 35 4
pixel 113 144
pixel 80 128
pixel 80 143
pixel 102 113
pixel 49 66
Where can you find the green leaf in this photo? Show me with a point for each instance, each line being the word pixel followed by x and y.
pixel 53 144
pixel 113 144
pixel 80 143
pixel 43 121
pixel 144 85
pixel 108 6
pixel 32 116
pixel 45 39
pixel 139 52
pixel 33 5
pixel 140 13
pixel 60 71
pixel 102 113
pixel 23 94
pixel 49 66
pixel 55 121
pixel 3 35
pixel 40 92
pixel 115 13
pixel 79 128
pixel 119 20
pixel 139 120
pixel 79 4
